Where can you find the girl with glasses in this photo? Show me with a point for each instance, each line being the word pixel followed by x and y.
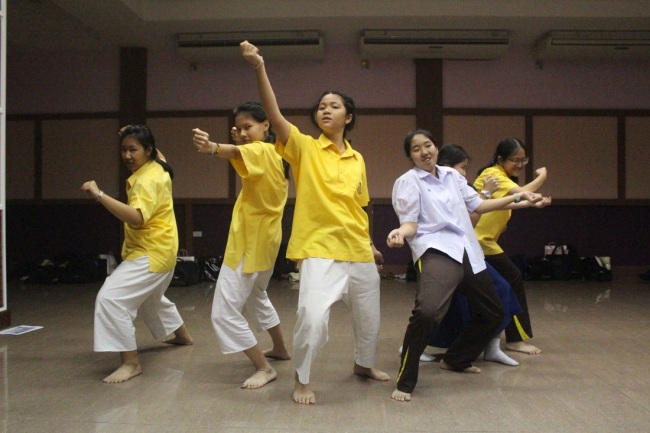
pixel 506 165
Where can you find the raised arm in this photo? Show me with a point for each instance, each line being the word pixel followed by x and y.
pixel 267 97
pixel 534 185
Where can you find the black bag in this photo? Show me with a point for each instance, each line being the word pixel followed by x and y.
pixel 82 268
pixel 186 273
pixel 593 269
pixel 210 268
pixel 564 261
pixel 540 268
pixel 47 272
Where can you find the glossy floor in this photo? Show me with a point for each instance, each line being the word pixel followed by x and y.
pixel 591 377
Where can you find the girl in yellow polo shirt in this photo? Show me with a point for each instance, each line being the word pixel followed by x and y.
pixel 139 283
pixel 508 161
pixel 330 235
pixel 253 242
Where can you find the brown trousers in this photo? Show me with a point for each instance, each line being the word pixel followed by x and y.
pixel 438 276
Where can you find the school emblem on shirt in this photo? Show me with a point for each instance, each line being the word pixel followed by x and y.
pixel 359 189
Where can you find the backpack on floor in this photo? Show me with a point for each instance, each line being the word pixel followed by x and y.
pixel 594 269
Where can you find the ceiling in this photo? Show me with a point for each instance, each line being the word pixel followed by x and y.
pixel 63 25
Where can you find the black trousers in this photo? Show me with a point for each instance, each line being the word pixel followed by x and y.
pixel 520 327
pixel 438 276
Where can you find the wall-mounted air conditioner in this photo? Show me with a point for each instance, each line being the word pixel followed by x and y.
pixel 434 44
pixel 579 44
pixel 302 44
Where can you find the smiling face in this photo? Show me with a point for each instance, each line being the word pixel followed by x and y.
pixel 134 154
pixel 424 153
pixel 249 129
pixel 513 164
pixel 331 114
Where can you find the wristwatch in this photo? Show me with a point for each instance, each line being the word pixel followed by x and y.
pixel 486 193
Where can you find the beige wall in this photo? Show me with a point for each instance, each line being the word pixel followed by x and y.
pixel 580 153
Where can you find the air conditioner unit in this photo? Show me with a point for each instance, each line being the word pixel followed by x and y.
pixel 200 47
pixel 434 44
pixel 579 44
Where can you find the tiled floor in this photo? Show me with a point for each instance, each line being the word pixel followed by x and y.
pixel 591 377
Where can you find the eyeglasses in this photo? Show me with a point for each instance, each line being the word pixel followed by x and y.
pixel 519 161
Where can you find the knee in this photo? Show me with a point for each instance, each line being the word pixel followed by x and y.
pixel 426 317
pixel 309 323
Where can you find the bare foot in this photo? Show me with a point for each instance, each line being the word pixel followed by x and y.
pixel 181 337
pixel 179 341
pixel 522 346
pixel 260 378
pixel 371 373
pixel 400 396
pixel 123 373
pixel 281 354
pixel 470 369
pixel 302 394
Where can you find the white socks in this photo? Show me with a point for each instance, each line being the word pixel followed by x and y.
pixel 493 353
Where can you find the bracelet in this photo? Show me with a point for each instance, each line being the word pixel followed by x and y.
pixel 260 63
pixel 517 197
pixel 486 193
pixel 100 195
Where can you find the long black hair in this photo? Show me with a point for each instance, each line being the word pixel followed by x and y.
pixel 143 135
pixel 505 149
pixel 255 110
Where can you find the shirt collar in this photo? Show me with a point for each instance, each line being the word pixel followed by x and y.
pixel 442 172
pixel 138 173
pixel 326 142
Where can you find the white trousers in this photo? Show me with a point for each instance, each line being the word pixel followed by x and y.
pixel 234 291
pixel 129 288
pixel 322 283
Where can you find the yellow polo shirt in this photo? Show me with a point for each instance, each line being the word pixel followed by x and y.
pixel 331 191
pixel 492 224
pixel 256 227
pixel 149 189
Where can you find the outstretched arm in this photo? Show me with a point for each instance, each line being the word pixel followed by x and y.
pixel 201 141
pixel 503 202
pixel 281 125
pixel 122 211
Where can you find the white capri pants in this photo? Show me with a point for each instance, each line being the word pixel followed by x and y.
pixel 129 288
pixel 322 283
pixel 234 291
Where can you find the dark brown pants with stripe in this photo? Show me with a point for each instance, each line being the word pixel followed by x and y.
pixel 438 276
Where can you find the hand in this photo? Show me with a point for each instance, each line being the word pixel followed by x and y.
pixel 234 134
pixel 395 239
pixel 545 201
pixel 541 172
pixel 491 184
pixel 91 189
pixel 251 53
pixel 201 141
pixel 379 258
pixel 531 197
